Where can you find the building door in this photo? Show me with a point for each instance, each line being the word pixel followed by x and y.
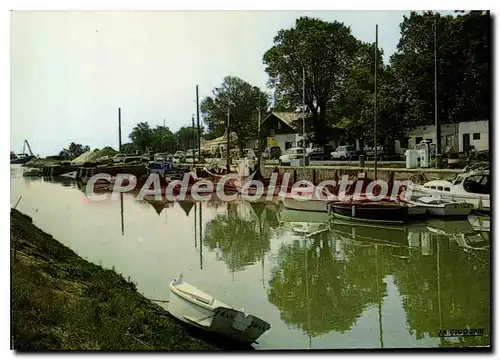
pixel 465 142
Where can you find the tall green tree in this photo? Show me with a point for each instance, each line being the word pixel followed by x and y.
pixel 186 137
pixel 142 135
pixel 163 140
pixel 355 102
pixel 242 100
pixel 159 139
pixel 324 50
pixel 462 48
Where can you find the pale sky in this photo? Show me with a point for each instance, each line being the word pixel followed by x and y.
pixel 70 71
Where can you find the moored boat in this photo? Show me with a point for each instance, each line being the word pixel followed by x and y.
pixel 368 211
pixel 192 306
pixel 437 206
pixel 472 187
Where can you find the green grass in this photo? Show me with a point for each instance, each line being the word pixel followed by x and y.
pixel 60 301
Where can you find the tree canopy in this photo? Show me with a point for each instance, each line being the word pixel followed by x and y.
pixel 339 75
pixel 243 102
pixel 159 139
pixel 321 50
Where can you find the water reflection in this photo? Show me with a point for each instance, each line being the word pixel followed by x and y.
pixel 320 283
pixel 240 236
pixel 341 282
pixel 343 272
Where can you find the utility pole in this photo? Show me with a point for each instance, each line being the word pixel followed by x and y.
pixel 375 102
pixel 119 130
pixel 193 140
pixel 436 117
pixel 198 123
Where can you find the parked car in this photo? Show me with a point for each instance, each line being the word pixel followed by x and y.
pixel 179 157
pixel 320 153
pixel 292 153
pixel 344 153
pixel 272 153
pixel 191 155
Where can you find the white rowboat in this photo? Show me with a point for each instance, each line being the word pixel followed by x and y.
pixel 191 305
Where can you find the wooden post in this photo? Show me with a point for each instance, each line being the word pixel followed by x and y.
pixel 314 177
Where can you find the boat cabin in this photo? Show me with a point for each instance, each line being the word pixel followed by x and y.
pixel 477 183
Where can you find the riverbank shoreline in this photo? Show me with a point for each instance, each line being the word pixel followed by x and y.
pixel 60 301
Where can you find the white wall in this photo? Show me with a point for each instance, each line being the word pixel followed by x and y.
pixel 281 139
pixel 449 131
pixel 472 127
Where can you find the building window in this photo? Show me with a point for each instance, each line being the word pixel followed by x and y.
pixel 279 126
pixel 476 136
pixel 403 143
pixel 288 145
pixel 418 140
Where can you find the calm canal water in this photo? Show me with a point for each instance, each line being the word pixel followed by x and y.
pixel 344 286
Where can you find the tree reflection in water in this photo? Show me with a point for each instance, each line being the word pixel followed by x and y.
pixel 341 282
pixel 240 236
pixel 441 285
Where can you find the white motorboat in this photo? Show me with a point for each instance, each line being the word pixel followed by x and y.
pixel 472 187
pixel 191 305
pixel 437 206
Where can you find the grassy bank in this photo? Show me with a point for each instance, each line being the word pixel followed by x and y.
pixel 60 301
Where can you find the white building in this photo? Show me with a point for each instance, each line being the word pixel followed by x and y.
pixel 454 136
pixel 283 129
pixel 473 133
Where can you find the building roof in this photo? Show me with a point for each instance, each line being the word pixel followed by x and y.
pixel 289 118
pixel 220 140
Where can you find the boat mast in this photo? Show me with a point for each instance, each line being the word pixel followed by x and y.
pixel 198 126
pixel 375 101
pixel 227 136
pixel 436 118
pixel 303 115
pixel 193 140
pixel 119 130
pixel 258 135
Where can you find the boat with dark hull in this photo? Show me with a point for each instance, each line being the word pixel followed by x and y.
pixel 378 212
